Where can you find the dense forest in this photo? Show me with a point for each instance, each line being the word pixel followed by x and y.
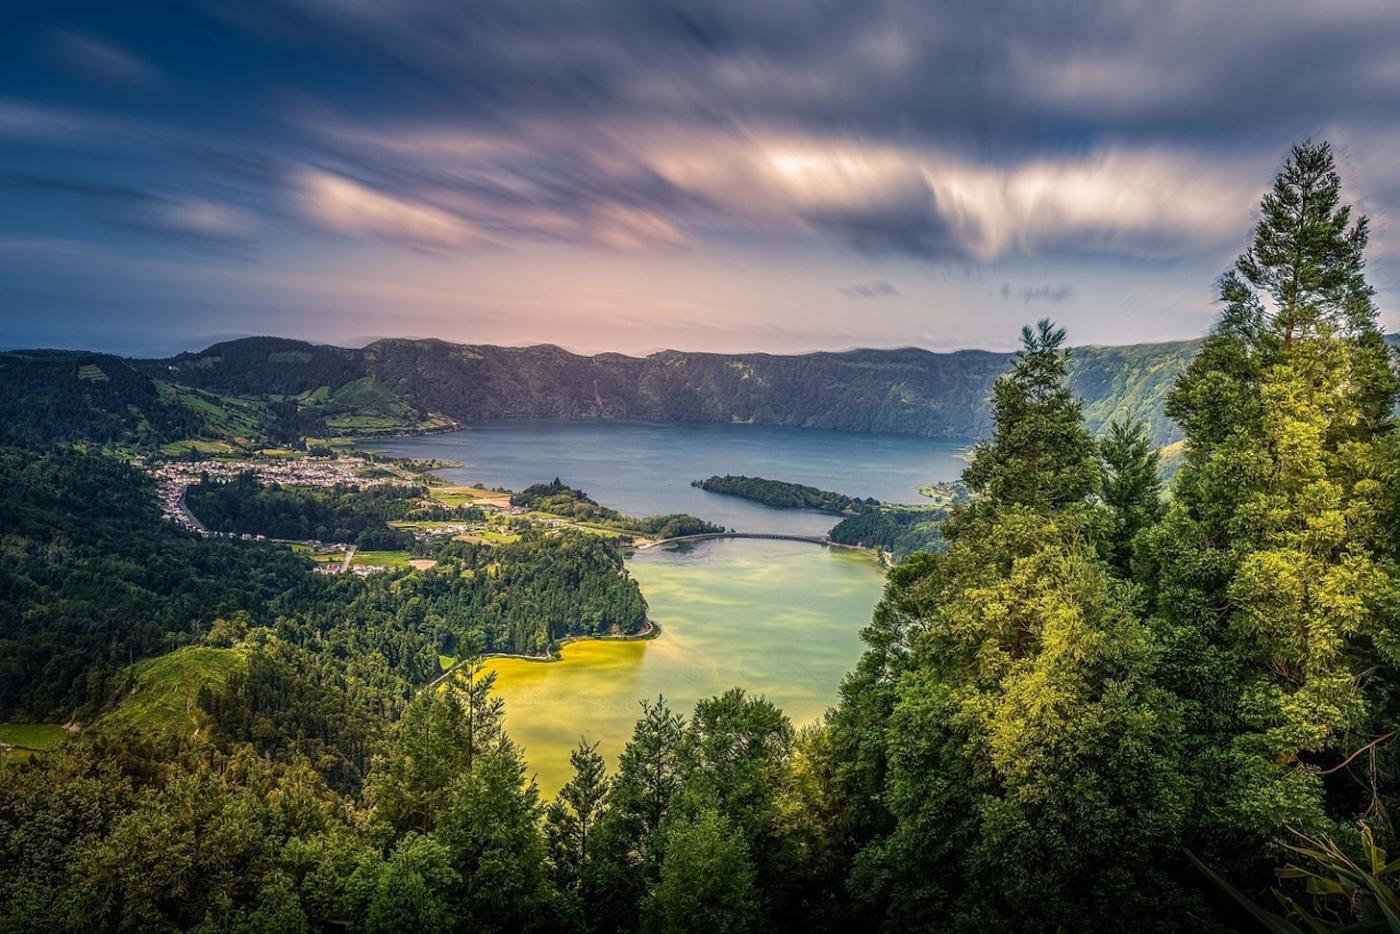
pixel 899 530
pixel 359 517
pixel 91 580
pixel 1103 706
pixel 560 499
pixel 785 495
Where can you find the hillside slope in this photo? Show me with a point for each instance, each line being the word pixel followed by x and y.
pixel 903 391
pixel 263 389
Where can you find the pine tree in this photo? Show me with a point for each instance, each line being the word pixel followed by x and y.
pixel 572 817
pixel 1307 256
pixel 1040 454
pixel 1026 716
pixel 707 882
pixel 1276 592
pixel 1131 488
pixel 442 733
pixel 631 834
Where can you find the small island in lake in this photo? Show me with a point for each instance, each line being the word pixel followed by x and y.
pixel 786 495
pixel 559 499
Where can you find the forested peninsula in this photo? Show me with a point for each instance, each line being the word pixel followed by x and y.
pixel 557 498
pixel 785 495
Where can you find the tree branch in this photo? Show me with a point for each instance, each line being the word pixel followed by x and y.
pixel 1371 745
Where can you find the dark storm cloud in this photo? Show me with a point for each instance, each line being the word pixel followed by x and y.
pixel 967 72
pixel 962 131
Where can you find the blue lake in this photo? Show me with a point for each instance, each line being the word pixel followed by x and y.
pixel 779 618
pixel 645 468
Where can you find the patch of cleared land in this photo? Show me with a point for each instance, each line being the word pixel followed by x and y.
pixel 207 448
pixel 467 495
pixel 383 559
pixel 19 741
pixel 163 691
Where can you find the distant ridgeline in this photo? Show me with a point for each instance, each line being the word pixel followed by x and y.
pixel 269 390
pixel 784 495
pixel 558 499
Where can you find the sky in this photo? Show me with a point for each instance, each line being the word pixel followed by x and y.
pixel 632 175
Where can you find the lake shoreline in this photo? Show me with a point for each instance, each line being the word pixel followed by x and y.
pixel 556 649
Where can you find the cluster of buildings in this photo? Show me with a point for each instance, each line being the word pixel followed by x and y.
pixel 301 471
pixel 173 478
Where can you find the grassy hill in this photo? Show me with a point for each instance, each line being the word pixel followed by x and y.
pixel 160 694
pixel 70 396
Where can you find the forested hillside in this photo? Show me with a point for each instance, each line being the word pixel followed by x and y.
pixel 906 391
pixel 92 580
pixel 272 390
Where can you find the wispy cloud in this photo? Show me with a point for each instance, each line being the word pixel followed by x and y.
pixel 1031 294
pixel 345 206
pixel 876 289
pixel 196 220
pixel 104 61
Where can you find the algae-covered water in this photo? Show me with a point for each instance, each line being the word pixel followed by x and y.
pixel 781 619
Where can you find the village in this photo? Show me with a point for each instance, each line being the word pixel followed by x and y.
pixel 174 478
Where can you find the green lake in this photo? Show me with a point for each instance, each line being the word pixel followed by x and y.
pixel 781 619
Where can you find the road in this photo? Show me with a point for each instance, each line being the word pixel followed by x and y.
pixel 190 517
pixel 773 536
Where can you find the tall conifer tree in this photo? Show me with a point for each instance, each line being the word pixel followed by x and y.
pixel 1276 591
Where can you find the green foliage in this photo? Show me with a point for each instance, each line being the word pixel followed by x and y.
pixel 69 396
pixel 413 889
pixel 786 495
pixel 900 530
pixel 906 391
pixel 160 695
pixel 558 499
pixel 441 735
pixel 707 883
pixel 1078 689
pixel 1276 587
pixel 1131 488
pixel 289 703
pixel 338 514
pixel 1040 455
pixel 92 580
pixel 631 832
pixel 1344 894
pixel 40 736
pixel 572 818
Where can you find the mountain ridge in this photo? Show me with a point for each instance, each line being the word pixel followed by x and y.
pixel 281 389
pixel 905 390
